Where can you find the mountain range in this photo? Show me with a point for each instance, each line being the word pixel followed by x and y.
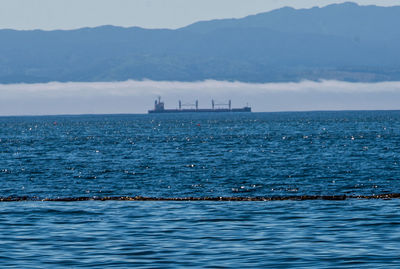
pixel 341 41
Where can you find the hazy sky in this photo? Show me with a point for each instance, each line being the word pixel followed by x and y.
pixel 69 14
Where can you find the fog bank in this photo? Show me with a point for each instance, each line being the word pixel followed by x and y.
pixel 138 96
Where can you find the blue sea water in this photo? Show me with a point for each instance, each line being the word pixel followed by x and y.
pixel 201 155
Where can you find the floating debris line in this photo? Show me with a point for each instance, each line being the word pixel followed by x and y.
pixel 183 199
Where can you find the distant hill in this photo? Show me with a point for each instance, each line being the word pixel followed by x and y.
pixel 341 41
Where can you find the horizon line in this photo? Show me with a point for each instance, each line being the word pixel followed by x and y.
pixel 220 113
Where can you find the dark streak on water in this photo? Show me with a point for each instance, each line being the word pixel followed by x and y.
pixel 314 154
pixel 194 199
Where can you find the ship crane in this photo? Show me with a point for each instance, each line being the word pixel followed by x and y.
pixel 229 104
pixel 196 104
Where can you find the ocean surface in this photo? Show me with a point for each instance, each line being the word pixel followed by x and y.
pixel 200 155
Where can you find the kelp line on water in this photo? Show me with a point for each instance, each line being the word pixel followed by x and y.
pixel 216 199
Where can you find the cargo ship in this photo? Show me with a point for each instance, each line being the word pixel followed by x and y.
pixel 215 107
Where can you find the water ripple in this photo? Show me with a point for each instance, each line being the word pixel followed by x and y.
pixel 202 234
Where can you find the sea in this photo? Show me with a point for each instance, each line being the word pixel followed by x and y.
pixel 59 176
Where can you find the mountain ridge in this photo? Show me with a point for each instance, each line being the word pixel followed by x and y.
pixel 340 41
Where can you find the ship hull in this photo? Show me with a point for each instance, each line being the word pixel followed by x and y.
pixel 203 110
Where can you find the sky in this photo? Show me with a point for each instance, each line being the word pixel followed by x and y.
pixel 72 14
pixel 138 96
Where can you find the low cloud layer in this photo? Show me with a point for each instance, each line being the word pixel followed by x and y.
pixel 138 96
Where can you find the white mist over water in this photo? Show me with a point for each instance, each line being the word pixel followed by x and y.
pixel 138 96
